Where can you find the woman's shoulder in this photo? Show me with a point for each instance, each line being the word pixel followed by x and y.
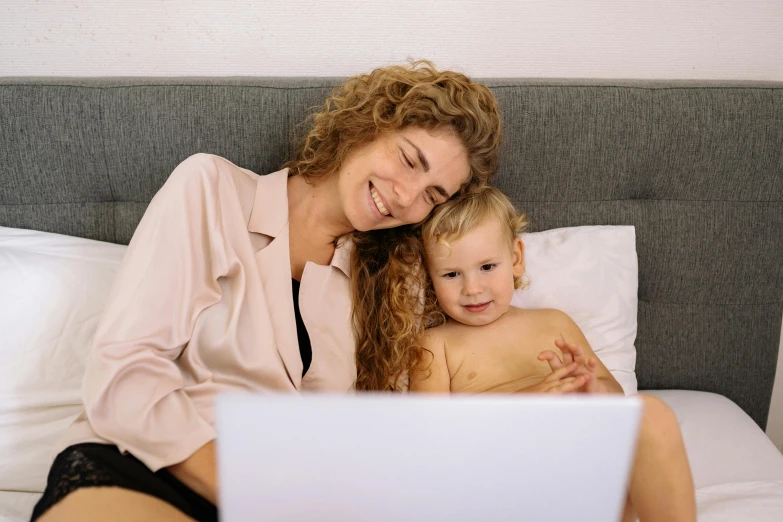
pixel 209 168
pixel 207 177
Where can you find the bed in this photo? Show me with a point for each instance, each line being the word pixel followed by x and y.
pixel 695 168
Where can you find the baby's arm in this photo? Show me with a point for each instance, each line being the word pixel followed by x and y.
pixel 431 375
pixel 574 347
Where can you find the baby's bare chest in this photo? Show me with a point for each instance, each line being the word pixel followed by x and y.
pixel 499 361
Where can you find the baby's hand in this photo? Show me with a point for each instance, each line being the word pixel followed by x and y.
pixel 573 353
pixel 561 380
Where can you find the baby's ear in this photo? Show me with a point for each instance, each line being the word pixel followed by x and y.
pixel 518 256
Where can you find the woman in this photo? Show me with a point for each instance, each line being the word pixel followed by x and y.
pixel 237 281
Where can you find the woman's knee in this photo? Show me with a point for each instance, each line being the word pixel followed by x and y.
pixel 658 418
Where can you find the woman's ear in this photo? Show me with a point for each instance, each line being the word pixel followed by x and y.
pixel 518 257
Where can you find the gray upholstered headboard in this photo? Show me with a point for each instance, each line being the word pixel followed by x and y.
pixel 697 168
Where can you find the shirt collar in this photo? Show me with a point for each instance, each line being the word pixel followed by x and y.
pixel 269 216
pixel 270 207
pixel 342 256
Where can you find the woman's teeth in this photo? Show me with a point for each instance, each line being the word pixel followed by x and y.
pixel 378 202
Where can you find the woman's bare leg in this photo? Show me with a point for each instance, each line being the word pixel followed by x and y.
pixel 661 486
pixel 99 504
pixel 628 513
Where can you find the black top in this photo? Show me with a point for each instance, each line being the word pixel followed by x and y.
pixel 305 350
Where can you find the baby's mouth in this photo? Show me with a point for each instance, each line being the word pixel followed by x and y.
pixel 476 308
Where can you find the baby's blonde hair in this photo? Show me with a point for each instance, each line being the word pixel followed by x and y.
pixel 458 216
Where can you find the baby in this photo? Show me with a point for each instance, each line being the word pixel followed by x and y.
pixel 475 261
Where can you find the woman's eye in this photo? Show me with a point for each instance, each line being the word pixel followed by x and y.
pixel 488 267
pixel 406 159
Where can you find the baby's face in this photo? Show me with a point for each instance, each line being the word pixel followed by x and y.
pixel 473 276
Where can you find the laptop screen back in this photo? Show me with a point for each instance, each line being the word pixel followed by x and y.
pixel 394 458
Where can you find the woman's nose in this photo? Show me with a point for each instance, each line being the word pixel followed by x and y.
pixel 407 190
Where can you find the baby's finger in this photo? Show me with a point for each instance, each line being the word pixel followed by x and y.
pixel 552 358
pixel 577 352
pixel 572 348
pixel 561 372
pixel 581 369
pixel 554 387
pixel 561 344
pixel 571 384
pixel 568 357
pixel 559 386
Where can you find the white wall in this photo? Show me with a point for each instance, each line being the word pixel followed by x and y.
pixel 728 39
pixel 697 39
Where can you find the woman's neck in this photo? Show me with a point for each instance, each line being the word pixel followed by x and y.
pixel 314 210
pixel 314 221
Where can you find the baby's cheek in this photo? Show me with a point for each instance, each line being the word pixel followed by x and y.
pixel 444 294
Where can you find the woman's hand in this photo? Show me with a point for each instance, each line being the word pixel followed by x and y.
pixel 573 354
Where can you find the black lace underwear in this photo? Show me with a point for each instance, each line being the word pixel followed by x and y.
pixel 100 465
pixel 73 470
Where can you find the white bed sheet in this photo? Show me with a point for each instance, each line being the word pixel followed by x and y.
pixel 16 506
pixel 741 502
pixel 724 444
pixel 737 470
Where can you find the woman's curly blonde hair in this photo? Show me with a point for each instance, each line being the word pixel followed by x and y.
pixel 391 99
pixel 386 305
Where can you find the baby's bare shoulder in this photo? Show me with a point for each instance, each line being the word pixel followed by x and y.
pixel 450 336
pixel 545 319
pixel 435 335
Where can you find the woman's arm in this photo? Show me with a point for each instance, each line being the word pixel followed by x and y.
pixel 133 388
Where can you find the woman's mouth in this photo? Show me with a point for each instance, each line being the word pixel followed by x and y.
pixel 378 201
pixel 476 308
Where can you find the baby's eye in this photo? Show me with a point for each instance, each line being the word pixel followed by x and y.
pixel 450 275
pixel 488 267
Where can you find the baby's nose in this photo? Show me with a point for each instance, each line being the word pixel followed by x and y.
pixel 472 287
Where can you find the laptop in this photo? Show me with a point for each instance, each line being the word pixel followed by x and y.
pixel 384 458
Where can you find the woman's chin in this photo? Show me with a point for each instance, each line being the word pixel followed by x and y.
pixel 375 223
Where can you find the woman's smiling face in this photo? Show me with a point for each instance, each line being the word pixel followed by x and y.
pixel 398 178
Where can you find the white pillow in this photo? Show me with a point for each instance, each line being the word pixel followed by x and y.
pixel 54 289
pixel 590 273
